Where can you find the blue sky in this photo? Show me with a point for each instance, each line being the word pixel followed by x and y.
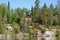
pixel 27 3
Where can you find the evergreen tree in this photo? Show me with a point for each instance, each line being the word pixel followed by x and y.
pixel 37 4
pixel 59 12
pixel 3 18
pixel 44 14
pixel 55 16
pixel 9 14
pixel 36 10
pixel 51 12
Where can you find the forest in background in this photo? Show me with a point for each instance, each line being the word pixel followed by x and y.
pixel 48 16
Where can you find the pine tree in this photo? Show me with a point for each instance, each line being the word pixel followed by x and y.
pixel 37 4
pixel 9 14
pixel 44 14
pixel 36 10
pixel 51 12
pixel 58 6
pixel 32 11
pixel 3 11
